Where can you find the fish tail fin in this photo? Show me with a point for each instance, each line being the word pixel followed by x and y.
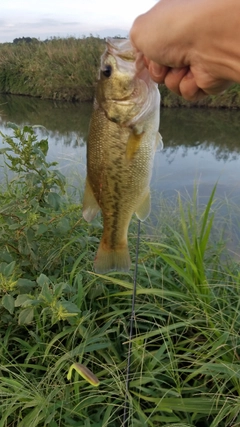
pixel 112 259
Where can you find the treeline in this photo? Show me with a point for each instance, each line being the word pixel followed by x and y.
pixel 66 69
pixel 26 40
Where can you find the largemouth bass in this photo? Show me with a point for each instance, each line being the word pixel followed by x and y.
pixel 122 140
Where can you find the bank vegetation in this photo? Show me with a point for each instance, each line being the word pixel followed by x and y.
pixel 66 69
pixel 55 312
pixel 62 69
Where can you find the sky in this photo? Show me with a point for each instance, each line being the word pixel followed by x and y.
pixel 62 18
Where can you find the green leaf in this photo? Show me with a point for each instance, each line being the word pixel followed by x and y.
pixel 58 289
pixel 8 302
pixel 8 270
pixel 25 285
pixel 42 279
pixel 54 200
pixel 12 125
pixel 42 228
pixel 21 299
pixel 43 145
pixel 26 316
pixel 4 150
pixel 46 294
pixel 13 227
pixel 70 307
pixel 63 226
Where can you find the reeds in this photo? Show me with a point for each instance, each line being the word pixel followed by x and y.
pixel 63 69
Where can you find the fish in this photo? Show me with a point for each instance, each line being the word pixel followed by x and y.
pixel 123 137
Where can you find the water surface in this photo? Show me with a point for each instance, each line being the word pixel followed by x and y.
pixel 201 146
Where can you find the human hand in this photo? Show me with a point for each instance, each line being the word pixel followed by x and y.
pixel 188 82
pixel 186 49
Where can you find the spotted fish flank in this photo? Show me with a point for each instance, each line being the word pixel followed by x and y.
pixel 122 141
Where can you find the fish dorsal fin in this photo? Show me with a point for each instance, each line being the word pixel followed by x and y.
pixel 133 144
pixel 90 204
pixel 144 207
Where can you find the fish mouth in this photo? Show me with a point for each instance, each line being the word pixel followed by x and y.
pixel 125 53
pixel 121 48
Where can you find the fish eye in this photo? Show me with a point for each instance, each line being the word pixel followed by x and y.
pixel 107 71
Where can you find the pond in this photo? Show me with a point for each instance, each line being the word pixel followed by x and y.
pixel 201 146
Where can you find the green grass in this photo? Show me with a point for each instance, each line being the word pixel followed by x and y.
pixel 54 311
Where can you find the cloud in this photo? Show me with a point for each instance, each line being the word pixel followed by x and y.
pixel 47 27
pixel 48 22
pixel 44 19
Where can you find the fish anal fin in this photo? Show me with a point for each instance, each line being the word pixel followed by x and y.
pixel 90 204
pixel 117 259
pixel 144 208
pixel 133 144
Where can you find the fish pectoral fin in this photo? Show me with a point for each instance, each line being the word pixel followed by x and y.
pixel 144 207
pixel 159 142
pixel 133 144
pixel 90 204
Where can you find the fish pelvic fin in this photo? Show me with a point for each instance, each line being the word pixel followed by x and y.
pixel 90 204
pixel 144 207
pixel 112 259
pixel 133 144
pixel 159 142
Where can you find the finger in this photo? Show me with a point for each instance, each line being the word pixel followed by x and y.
pixel 140 62
pixel 193 89
pixel 157 72
pixel 174 77
pixel 146 61
pixel 189 89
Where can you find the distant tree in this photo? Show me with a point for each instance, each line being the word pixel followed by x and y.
pixel 25 40
pixel 119 37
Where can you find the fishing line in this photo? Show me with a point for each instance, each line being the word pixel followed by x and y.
pixel 126 403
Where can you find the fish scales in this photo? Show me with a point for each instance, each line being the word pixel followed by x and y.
pixel 120 153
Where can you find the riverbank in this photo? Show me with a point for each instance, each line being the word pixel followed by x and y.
pixel 55 312
pixel 66 69
pixel 61 69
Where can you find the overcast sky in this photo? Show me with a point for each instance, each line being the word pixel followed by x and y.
pixel 61 18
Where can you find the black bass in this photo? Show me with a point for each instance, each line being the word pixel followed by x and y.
pixel 122 140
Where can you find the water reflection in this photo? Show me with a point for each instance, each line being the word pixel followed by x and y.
pixel 55 116
pixel 216 131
